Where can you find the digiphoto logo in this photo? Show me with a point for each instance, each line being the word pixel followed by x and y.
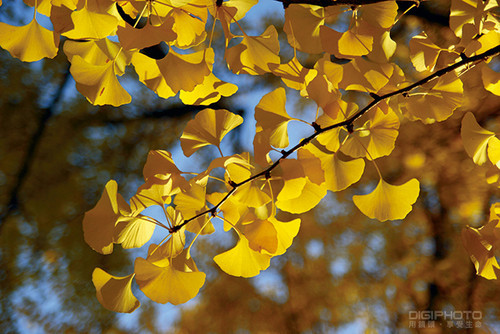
pixel 449 319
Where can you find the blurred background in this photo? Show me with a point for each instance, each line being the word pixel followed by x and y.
pixel 344 272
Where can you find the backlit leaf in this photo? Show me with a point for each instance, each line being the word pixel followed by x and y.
pixel 113 292
pixel 208 92
pixel 99 223
pixel 270 114
pixel 491 80
pixel 481 250
pixel 388 202
pixel 475 139
pixel 166 284
pixel 29 43
pixel 208 128
pixel 242 261
pixel 255 53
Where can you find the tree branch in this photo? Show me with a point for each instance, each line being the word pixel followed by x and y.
pixel 328 3
pixel 47 112
pixel 348 123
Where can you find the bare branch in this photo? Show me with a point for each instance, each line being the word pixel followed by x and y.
pixel 348 123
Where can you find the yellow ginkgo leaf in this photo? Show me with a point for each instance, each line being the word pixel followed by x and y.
pixel 251 195
pixel 474 12
pixel 208 92
pixel 301 191
pixel 98 83
pixel 376 138
pixel 189 25
pixel 320 89
pixel 491 80
pixel 99 52
pixel 481 250
pixel 150 75
pixel 261 235
pixel 161 162
pixel 133 38
pixel 190 202
pixel 302 26
pixel 113 292
pixel 242 261
pixel 166 284
pixel 254 54
pixel 160 255
pixel 89 24
pixel 338 174
pixel 388 202
pixel 285 231
pixel 347 44
pixel 134 233
pixel 208 128
pixel 156 191
pixel 435 101
pixel 475 139
pixel 368 76
pixel 99 223
pixel 380 14
pixel 424 53
pixel 292 73
pixel 494 151
pixel 29 43
pixel 270 114
pixel 185 71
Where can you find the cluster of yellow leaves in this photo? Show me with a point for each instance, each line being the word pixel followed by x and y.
pixel 165 41
pixel 481 243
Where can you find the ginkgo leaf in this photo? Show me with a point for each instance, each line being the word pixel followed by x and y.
pixel 160 162
pixel 89 24
pixel 185 71
pixel 302 24
pixel 286 232
pixel 113 292
pixel 481 250
pixel 99 223
pixel 208 128
pixel 230 11
pixel 347 44
pixel 251 195
pixel 261 235
pixel 255 53
pixel 368 76
pixel 292 73
pixel 491 80
pixel 320 89
pixel 151 76
pixel 134 233
pixel 242 261
pixel 494 151
pixel 424 53
pixel 166 284
pixel 376 138
pixel 338 174
pixel 208 92
pixel 156 191
pixel 100 53
pixel 435 101
pixel 189 25
pixel 98 83
pixel 301 192
pixel 29 43
pixel 190 202
pixel 388 202
pixel 270 114
pixel 475 139
pixel 463 12
pixel 160 255
pixel 133 38
pixel 380 14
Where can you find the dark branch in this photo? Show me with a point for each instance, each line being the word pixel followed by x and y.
pixel 328 3
pixel 13 201
pixel 349 122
